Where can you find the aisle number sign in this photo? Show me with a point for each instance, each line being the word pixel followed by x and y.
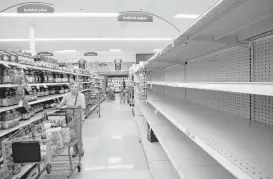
pixel 135 17
pixel 35 8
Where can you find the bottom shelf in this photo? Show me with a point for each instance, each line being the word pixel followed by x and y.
pixel 160 166
pixel 24 170
pixel 188 159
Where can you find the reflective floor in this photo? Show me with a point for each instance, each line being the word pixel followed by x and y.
pixel 111 144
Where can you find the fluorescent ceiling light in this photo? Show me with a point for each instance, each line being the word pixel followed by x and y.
pixel 59 15
pixel 156 50
pixel 117 137
pixel 115 50
pixel 186 16
pixel 87 39
pixel 121 167
pixel 65 51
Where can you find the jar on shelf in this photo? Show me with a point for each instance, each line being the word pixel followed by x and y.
pixel 21 59
pixel 6 116
pixel 5 78
pixel 46 92
pixel 31 77
pixel 5 56
pixel 6 101
pixel 14 57
pixel 62 90
pixel 42 92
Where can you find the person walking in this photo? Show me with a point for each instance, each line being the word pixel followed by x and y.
pixel 75 99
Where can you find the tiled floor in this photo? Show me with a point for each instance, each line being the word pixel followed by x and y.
pixel 111 144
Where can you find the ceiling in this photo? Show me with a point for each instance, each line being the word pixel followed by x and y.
pixel 18 28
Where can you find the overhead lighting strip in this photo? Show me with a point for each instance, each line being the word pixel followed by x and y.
pixel 87 39
pixel 186 16
pixel 94 15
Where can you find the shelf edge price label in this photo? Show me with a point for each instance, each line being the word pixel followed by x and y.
pixel 190 135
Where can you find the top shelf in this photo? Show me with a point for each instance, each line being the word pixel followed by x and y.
pixel 41 68
pixel 217 29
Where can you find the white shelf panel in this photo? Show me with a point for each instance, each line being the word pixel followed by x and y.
pixel 256 88
pixel 40 68
pixel 159 164
pixel 181 150
pixel 37 84
pixel 37 117
pixel 40 99
pixel 46 98
pixel 154 151
pixel 244 151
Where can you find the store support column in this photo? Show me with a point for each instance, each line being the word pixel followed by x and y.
pixel 32 39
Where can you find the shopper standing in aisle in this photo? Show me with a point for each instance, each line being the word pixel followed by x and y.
pixel 75 99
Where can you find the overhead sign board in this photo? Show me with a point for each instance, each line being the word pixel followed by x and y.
pixel 45 54
pixel 35 8
pixel 135 17
pixel 91 54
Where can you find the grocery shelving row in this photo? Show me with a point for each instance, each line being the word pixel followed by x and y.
pixel 212 86
pixel 49 83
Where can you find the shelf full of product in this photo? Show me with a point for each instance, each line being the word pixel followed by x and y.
pixel 48 82
pixel 115 83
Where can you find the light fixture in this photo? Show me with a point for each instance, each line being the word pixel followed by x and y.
pixel 115 50
pixel 117 137
pixel 186 16
pixel 94 15
pixel 156 50
pixel 86 39
pixel 66 51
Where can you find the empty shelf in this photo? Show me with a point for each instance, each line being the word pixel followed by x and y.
pixel 244 151
pixel 183 153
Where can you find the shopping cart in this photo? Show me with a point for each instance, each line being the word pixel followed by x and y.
pixel 47 144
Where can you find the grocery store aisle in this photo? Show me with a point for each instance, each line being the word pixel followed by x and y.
pixel 111 144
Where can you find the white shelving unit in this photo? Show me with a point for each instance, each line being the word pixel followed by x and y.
pixel 211 89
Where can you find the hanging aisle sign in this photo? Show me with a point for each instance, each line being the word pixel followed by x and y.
pixel 135 17
pixel 45 54
pixel 35 8
pixel 91 54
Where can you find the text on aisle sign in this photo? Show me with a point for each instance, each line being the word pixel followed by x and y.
pixel 135 17
pixel 35 8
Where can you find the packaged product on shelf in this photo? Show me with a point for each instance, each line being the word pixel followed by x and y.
pixel 5 56
pixel 11 123
pixel 5 78
pixel 5 100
